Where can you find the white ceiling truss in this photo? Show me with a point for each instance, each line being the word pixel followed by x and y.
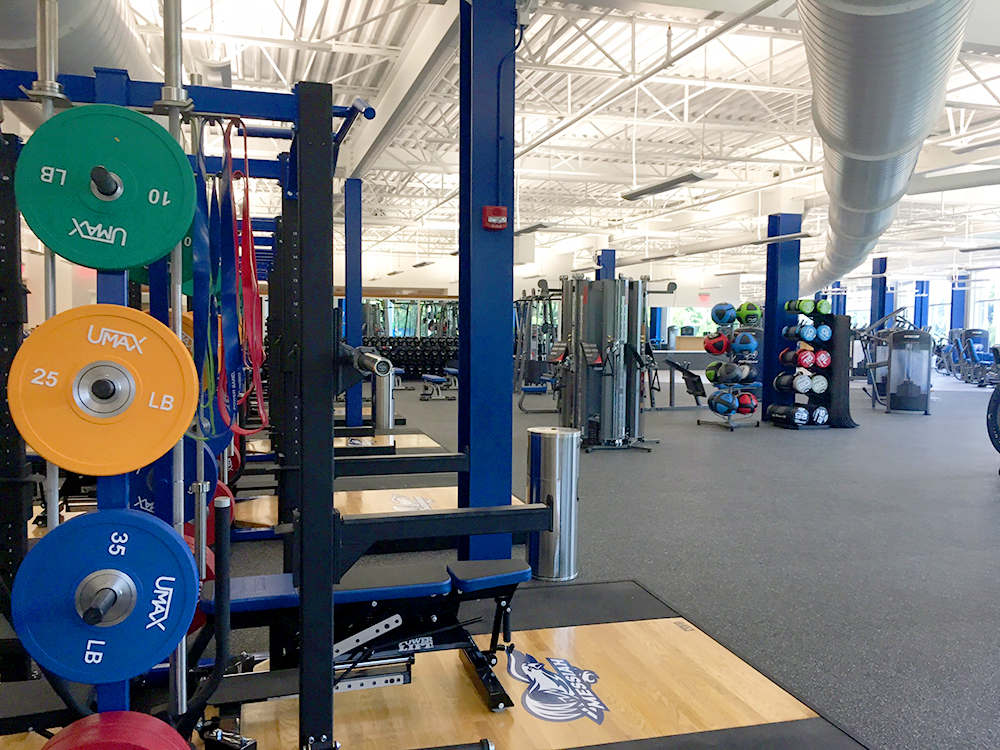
pixel 596 114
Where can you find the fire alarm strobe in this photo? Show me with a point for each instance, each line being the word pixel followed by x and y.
pixel 494 217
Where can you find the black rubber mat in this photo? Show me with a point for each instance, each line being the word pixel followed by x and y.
pixel 805 734
pixel 571 604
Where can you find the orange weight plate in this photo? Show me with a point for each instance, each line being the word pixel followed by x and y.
pixel 102 390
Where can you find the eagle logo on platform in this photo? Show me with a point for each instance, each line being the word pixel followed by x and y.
pixel 562 693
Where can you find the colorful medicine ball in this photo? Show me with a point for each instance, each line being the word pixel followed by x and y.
pixel 723 402
pixel 824 332
pixel 723 314
pixel 823 358
pixel 744 342
pixel 747 403
pixel 728 373
pixel 749 313
pixel 716 343
pixel 744 373
pixel 712 371
pixel 752 376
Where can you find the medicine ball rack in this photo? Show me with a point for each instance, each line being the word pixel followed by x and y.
pixel 732 422
pixel 836 398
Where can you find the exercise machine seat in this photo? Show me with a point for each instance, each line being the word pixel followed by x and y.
pixel 475 575
pixel 439 379
pixel 534 389
pixel 451 371
pixel 383 582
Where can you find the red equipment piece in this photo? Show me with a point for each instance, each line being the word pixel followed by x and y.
pixel 117 730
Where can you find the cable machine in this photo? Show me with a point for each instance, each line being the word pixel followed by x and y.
pixel 602 375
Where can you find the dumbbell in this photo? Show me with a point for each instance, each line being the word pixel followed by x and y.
pixel 804 306
pixel 824 306
pixel 800 332
pixel 819 384
pixel 819 414
pixel 823 359
pixel 797 358
pixel 793 415
pixel 824 332
pixel 793 383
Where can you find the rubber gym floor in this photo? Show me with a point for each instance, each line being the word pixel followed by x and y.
pixel 858 569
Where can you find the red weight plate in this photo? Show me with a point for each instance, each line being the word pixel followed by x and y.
pixel 117 730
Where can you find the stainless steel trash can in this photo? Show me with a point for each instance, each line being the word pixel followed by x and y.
pixel 553 473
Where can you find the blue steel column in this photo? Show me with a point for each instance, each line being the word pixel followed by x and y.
pixel 352 288
pixel 485 264
pixel 605 265
pixel 838 298
pixel 112 87
pixel 781 285
pixel 879 288
pixel 959 287
pixel 921 298
pixel 655 321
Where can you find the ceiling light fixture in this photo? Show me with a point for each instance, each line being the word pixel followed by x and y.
pixel 534 228
pixel 423 263
pixel 395 273
pixel 978 249
pixel 662 187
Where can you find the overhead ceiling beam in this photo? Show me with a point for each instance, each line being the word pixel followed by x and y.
pixel 348 48
pixel 429 51
pixel 627 86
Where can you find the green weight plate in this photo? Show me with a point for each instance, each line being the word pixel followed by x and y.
pixel 140 274
pixel 140 223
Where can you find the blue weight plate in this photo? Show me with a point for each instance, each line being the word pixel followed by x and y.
pixel 156 560
pixel 151 483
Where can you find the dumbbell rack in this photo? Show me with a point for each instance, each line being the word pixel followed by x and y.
pixel 731 421
pixel 836 398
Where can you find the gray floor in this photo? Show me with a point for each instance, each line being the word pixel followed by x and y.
pixel 859 568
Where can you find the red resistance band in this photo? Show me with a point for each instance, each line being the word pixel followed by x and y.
pixel 246 268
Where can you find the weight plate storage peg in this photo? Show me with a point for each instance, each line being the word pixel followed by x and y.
pixel 102 390
pixel 105 187
pixel 117 730
pixel 117 600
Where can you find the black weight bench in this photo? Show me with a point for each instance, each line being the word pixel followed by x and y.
pixel 384 615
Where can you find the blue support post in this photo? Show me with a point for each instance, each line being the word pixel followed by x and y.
pixel 353 311
pixel 485 263
pixel 112 491
pixel 655 323
pixel 879 289
pixel 781 285
pixel 838 298
pixel 890 299
pixel 921 300
pixel 959 287
pixel 605 265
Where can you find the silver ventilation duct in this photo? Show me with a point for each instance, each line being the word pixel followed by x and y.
pixel 92 34
pixel 879 73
